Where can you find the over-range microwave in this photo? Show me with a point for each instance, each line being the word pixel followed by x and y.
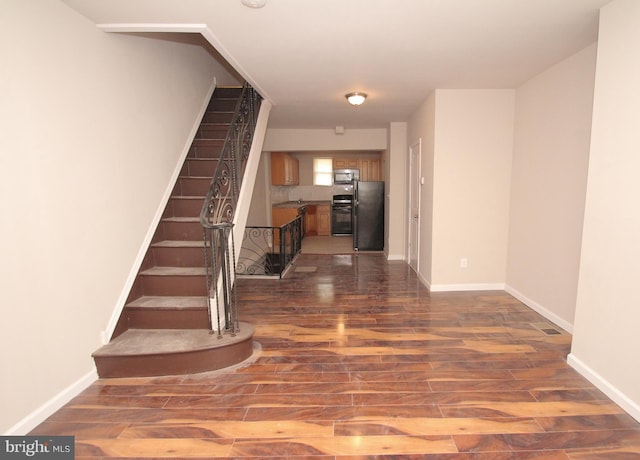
pixel 345 176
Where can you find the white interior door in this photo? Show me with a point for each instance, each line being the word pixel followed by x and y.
pixel 414 204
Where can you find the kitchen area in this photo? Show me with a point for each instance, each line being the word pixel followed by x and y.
pixel 313 203
pixel 339 197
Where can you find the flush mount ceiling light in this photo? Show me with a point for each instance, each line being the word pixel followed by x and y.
pixel 254 3
pixel 356 98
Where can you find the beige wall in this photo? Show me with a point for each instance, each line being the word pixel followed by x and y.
pixel 550 159
pixel 395 172
pixel 607 318
pixel 473 141
pixel 260 210
pixel 93 129
pixel 324 139
pixel 421 131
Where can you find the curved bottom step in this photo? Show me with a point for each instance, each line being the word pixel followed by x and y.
pixel 154 352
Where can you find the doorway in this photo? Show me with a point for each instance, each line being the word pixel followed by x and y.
pixel 415 151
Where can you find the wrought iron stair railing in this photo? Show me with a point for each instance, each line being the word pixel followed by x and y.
pixel 217 215
pixel 269 251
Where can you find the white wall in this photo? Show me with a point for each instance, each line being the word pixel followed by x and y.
pixel 607 318
pixel 93 129
pixel 472 174
pixel 395 171
pixel 260 210
pixel 421 129
pixel 466 143
pixel 278 140
pixel 548 185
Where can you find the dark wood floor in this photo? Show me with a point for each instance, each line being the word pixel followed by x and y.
pixel 358 360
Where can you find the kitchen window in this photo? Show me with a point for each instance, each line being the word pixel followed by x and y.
pixel 322 171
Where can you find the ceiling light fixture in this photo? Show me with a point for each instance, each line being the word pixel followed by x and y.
pixel 254 3
pixel 356 98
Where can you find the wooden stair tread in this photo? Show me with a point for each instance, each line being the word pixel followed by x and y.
pixel 181 219
pixel 216 123
pixel 179 244
pixel 173 302
pixel 174 271
pixel 137 342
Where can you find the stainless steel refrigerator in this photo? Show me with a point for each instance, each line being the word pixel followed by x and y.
pixel 368 216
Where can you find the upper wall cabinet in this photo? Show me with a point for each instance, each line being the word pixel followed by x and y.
pixel 284 169
pixel 345 163
pixel 370 168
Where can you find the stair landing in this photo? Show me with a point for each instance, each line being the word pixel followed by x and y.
pixel 153 352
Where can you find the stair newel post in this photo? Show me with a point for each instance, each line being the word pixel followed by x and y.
pixel 227 283
pixel 235 321
pixel 214 240
pixel 208 242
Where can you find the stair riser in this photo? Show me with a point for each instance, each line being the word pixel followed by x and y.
pixel 181 231
pixel 206 148
pixel 222 105
pixel 176 364
pixel 213 131
pixel 154 285
pixel 217 117
pixel 178 257
pixel 227 92
pixel 179 207
pixel 199 167
pixel 191 186
pixel 168 319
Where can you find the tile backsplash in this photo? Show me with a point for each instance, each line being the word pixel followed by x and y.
pixel 300 192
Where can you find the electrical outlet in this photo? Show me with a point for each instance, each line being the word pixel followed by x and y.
pixel 463 262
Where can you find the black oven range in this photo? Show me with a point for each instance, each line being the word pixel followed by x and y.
pixel 341 215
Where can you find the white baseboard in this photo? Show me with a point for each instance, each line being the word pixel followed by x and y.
pixel 548 314
pixel 39 415
pixel 395 257
pixel 467 287
pixel 632 408
pixel 424 281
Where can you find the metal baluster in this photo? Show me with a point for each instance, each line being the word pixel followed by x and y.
pixel 218 213
pixel 235 321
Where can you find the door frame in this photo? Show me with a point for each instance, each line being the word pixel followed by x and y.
pixel 413 239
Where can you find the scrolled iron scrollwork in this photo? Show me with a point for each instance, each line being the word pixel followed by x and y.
pixel 216 216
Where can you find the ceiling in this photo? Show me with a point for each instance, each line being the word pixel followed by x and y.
pixel 305 55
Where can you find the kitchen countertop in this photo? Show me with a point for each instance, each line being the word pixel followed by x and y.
pixel 295 204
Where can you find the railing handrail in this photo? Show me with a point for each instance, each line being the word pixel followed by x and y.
pixel 268 250
pixel 243 125
pixel 217 215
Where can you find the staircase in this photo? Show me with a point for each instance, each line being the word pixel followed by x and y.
pixel 164 328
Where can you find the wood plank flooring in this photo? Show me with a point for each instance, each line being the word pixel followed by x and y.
pixel 358 360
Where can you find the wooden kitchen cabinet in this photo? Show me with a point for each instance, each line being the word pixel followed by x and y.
pixel 370 169
pixel 345 163
pixel 284 169
pixel 310 221
pixel 280 217
pixel 323 220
